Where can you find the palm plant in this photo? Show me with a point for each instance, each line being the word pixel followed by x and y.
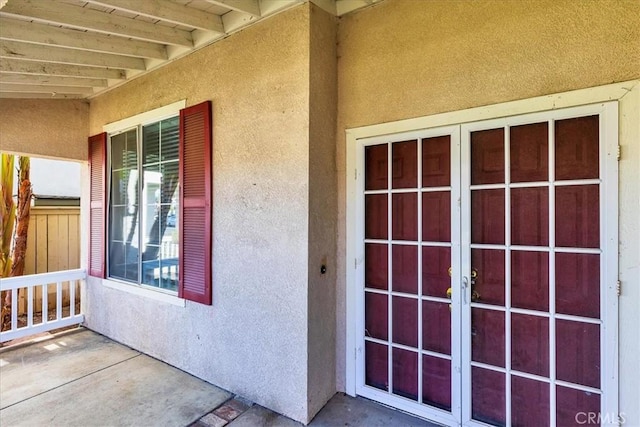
pixel 7 223
pixel 22 217
pixel 12 219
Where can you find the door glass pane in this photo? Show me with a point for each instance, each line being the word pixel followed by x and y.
pixel 578 352
pixel 376 267
pixel 577 148
pixel 529 152
pixel 405 164
pixel 436 161
pixel 436 382
pixel 489 281
pixel 530 402
pixel 488 400
pixel 530 216
pixel 376 214
pixel 578 216
pixel 578 284
pixel 376 167
pixel 405 373
pixel 530 344
pixel 487 156
pixel 376 365
pixel 487 216
pixel 436 327
pixel 405 321
pixel 487 336
pixel 376 320
pixel 574 406
pixel 436 216
pixel 405 216
pixel 436 261
pixel 405 268
pixel 530 280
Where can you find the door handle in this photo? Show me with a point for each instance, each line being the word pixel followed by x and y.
pixel 450 289
pixel 475 296
pixel 465 285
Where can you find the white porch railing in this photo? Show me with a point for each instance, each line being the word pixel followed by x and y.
pixel 68 279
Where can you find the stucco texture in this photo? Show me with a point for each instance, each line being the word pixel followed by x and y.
pixel 253 340
pixel 45 127
pixel 323 88
pixel 401 59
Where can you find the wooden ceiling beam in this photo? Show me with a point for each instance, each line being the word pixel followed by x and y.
pixel 94 20
pixel 35 52
pixel 51 80
pixel 28 95
pixel 9 87
pixel 167 11
pixel 32 32
pixel 251 7
pixel 50 69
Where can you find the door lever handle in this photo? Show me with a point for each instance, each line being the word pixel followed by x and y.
pixel 465 285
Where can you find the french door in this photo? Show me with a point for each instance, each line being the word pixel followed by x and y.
pixel 487 292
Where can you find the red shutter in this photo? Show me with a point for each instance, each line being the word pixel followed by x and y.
pixel 195 203
pixel 98 195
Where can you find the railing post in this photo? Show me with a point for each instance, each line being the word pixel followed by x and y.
pixel 58 300
pixel 14 309
pixel 30 306
pixel 45 303
pixel 72 297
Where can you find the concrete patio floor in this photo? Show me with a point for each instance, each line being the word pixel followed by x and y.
pixel 80 378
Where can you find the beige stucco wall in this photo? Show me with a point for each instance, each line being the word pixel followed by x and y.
pixel 322 208
pixel 253 340
pixel 45 127
pixel 402 59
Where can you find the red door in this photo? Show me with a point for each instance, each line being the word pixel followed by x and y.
pixel 408 252
pixel 486 247
pixel 535 255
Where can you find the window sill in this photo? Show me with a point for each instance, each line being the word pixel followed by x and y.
pixel 144 292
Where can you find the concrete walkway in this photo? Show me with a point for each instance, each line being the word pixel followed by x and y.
pixel 81 378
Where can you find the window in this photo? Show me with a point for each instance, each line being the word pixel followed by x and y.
pixel 151 197
pixel 143 238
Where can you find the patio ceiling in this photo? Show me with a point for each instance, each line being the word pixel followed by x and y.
pixel 81 48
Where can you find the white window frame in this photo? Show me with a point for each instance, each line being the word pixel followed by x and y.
pixel 112 129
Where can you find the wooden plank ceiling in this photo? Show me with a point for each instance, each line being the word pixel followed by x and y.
pixel 80 48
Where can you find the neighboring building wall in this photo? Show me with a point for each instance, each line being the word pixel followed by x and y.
pixel 55 178
pixel 322 208
pixel 254 339
pixel 404 59
pixel 45 127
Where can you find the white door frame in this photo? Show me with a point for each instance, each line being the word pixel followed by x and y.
pixel 355 257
